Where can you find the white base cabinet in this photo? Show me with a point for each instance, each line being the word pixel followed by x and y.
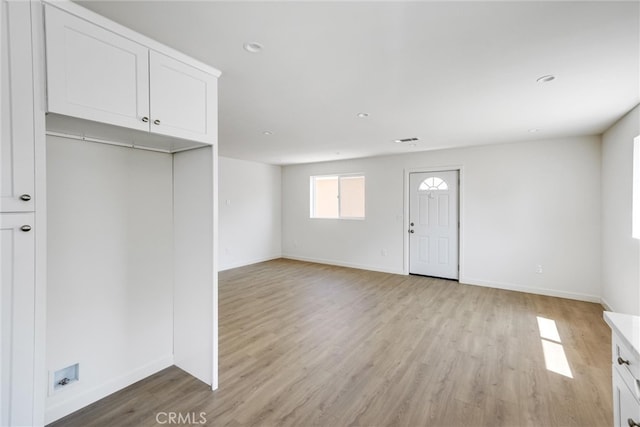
pixel 626 408
pixel 17 318
pixel 625 351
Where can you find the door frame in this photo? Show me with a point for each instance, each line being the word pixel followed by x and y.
pixel 405 238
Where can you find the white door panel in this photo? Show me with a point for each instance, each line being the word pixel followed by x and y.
pixel 183 99
pixel 17 317
pixel 433 218
pixel 95 74
pixel 16 108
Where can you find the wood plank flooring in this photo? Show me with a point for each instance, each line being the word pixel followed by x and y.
pixel 305 344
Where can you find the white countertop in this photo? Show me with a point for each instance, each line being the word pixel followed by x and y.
pixel 626 327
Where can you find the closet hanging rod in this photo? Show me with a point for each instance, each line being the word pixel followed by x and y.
pixel 104 141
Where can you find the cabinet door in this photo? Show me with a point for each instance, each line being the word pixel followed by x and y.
pixel 95 74
pixel 16 110
pixel 17 314
pixel 183 100
pixel 626 409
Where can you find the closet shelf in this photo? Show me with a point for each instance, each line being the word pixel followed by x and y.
pixel 90 131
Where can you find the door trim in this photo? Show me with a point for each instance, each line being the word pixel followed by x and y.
pixel 405 237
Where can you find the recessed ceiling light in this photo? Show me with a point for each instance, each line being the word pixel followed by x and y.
pixel 253 47
pixel 363 115
pixel 534 130
pixel 546 79
pixel 267 132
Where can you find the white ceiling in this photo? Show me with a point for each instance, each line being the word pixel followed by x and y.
pixel 450 73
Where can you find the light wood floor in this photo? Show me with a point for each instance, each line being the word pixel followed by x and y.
pixel 304 344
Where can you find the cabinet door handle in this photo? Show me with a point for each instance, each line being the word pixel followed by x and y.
pixel 156 122
pixel 25 228
pixel 25 197
pixel 621 361
pixel 632 423
pixel 145 119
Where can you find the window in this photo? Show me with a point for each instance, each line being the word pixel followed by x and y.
pixel 337 196
pixel 433 183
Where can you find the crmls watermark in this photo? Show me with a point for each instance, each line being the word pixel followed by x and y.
pixel 181 418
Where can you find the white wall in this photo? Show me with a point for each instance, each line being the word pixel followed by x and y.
pixel 523 204
pixel 250 212
pixel 110 276
pixel 620 260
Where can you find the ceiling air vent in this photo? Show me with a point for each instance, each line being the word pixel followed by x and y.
pixel 406 140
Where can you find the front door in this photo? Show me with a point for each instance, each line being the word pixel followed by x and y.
pixel 433 224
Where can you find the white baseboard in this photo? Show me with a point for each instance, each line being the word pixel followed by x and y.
pixel 538 291
pixel 86 397
pixel 464 280
pixel 606 305
pixel 342 264
pixel 243 263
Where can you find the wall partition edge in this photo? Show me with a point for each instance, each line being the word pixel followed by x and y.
pixel 39 124
pixel 195 279
pixel 215 267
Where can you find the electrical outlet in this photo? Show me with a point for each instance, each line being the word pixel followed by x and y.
pixel 539 269
pixel 383 252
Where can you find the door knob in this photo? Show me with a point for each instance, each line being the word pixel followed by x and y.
pixel 25 228
pixel 145 119
pixel 411 231
pixel 411 224
pixel 156 122
pixel 25 197
pixel 632 423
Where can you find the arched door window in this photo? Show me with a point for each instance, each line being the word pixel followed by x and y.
pixel 433 184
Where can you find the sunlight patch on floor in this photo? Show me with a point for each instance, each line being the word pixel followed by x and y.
pixel 554 356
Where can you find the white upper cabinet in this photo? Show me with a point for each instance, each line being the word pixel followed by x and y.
pixel 183 99
pixel 95 73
